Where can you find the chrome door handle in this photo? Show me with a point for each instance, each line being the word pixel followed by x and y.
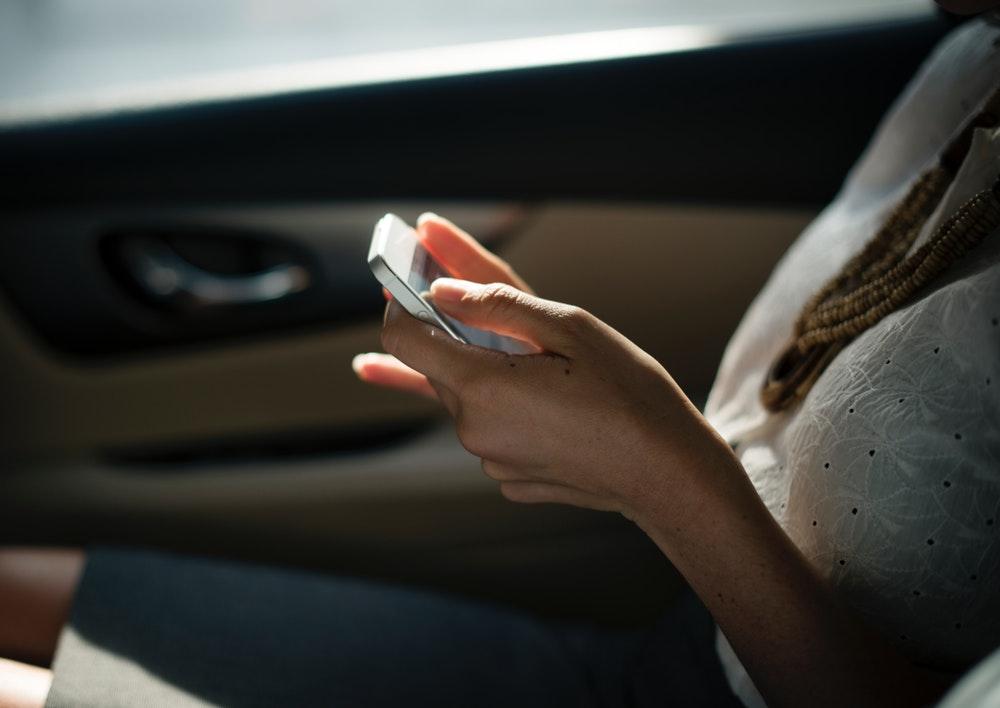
pixel 166 277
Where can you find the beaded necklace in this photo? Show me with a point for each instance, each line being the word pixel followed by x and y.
pixel 881 277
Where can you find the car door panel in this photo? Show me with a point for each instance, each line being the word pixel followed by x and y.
pixel 658 192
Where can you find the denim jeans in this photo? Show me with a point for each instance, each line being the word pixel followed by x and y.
pixel 161 630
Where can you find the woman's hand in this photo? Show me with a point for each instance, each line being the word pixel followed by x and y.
pixel 462 256
pixel 594 421
pixel 591 421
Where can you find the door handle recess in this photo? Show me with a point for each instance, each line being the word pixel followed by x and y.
pixel 167 278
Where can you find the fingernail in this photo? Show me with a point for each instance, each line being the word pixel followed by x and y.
pixel 426 216
pixel 452 290
pixel 358 362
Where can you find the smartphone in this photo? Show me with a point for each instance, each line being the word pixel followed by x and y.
pixel 406 269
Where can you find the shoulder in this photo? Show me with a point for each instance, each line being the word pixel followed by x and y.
pixel 952 82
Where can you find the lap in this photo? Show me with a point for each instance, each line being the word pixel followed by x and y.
pixel 163 630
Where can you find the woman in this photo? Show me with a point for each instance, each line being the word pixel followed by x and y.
pixel 835 510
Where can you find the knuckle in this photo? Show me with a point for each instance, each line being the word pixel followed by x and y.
pixel 499 291
pixel 500 295
pixel 575 319
pixel 499 299
pixel 576 315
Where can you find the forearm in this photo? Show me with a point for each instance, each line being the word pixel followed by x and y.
pixel 800 646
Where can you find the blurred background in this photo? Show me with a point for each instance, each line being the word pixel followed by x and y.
pixel 52 51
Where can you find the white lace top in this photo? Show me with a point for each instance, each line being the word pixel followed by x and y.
pixel 887 476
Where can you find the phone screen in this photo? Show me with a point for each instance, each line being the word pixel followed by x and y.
pixel 424 270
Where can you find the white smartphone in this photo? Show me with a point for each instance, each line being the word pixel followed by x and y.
pixel 402 264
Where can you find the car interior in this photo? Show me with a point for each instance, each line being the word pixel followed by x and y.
pixel 183 280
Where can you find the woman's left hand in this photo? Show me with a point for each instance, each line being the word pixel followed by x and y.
pixel 591 421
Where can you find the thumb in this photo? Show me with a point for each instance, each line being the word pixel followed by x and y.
pixel 504 309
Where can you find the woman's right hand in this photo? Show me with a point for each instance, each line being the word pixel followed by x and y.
pixel 465 258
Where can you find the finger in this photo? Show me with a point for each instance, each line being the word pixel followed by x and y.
pixel 386 370
pixel 463 255
pixel 505 310
pixel 530 492
pixel 504 473
pixel 386 294
pixel 432 351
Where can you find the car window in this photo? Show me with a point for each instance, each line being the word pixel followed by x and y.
pixel 60 55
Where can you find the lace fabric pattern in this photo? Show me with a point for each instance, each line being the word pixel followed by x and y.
pixel 897 494
pixel 887 475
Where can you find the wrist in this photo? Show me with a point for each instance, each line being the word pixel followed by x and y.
pixel 694 479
